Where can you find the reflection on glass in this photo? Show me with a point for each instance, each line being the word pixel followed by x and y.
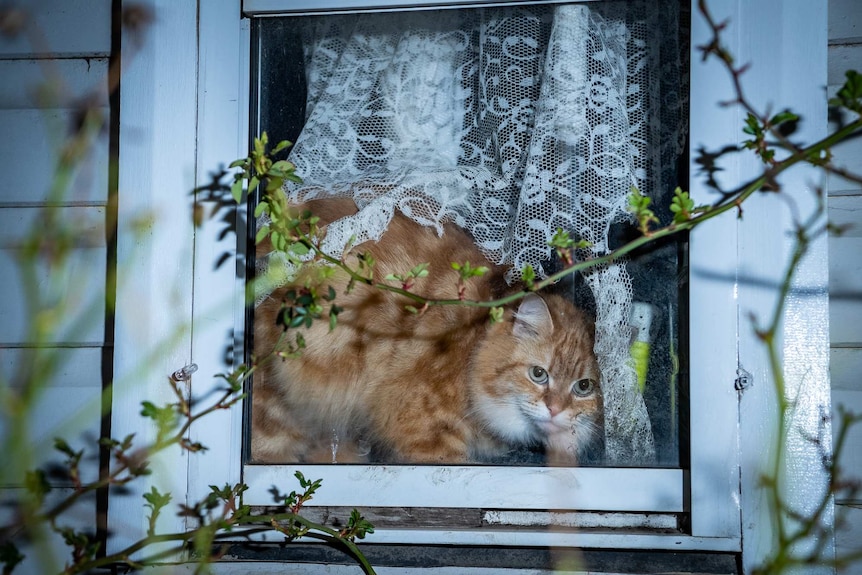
pixel 474 135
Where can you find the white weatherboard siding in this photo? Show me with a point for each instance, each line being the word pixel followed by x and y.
pixel 845 267
pixel 32 132
pixel 70 40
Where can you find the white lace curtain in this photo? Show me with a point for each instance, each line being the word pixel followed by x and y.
pixel 511 122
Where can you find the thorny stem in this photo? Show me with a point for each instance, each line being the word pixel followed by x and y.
pixel 125 463
pixel 730 201
pixel 805 527
pixel 316 531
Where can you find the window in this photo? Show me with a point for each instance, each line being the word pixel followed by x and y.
pixel 550 112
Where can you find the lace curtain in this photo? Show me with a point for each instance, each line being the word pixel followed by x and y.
pixel 511 122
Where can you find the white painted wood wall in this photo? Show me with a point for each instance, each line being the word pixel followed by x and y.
pixel 71 40
pixel 845 263
pixel 77 37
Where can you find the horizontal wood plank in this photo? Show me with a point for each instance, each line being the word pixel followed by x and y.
pixel 845 289
pixel 61 28
pixel 76 289
pixel 85 224
pixel 71 413
pixel 848 538
pixel 845 20
pixel 25 82
pixel 68 405
pixel 30 148
pixel 51 557
pixel 845 368
pixel 78 366
pixel 846 212
pixel 851 457
pixel 842 57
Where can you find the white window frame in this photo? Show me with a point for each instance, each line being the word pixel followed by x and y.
pixel 197 121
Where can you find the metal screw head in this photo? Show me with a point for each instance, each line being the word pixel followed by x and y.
pixel 185 372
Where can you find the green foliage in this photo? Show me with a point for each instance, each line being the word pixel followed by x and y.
pixel 528 276
pixel 682 207
pixel 849 95
pixel 155 501
pixel 84 546
pixel 259 167
pixel 639 207
pixel 466 270
pixel 165 417
pixel 36 484
pixel 407 279
pixel 564 245
pixel 357 527
pixel 760 128
pixel 295 500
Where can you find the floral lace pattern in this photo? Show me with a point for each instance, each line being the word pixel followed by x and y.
pixel 511 122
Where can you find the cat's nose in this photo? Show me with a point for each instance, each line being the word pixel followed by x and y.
pixel 554 408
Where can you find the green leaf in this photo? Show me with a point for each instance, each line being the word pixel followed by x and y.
pixel 299 248
pixel 781 117
pixel 236 191
pixel 467 271
pixel 357 526
pixel 528 275
pixel 496 314
pixel 334 310
pixel 279 242
pixel 639 206
pixel 752 125
pixel 156 501
pixel 261 234
pixel 274 183
pixel 37 484
pixel 281 145
pixel 561 240
pixel 282 166
pixel 62 446
pixel 681 206
pixel 850 94
pixel 419 271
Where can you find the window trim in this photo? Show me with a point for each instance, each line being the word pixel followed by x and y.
pixel 208 83
pixel 482 487
pixel 720 515
pixel 252 8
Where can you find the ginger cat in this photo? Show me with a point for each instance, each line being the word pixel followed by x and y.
pixel 444 386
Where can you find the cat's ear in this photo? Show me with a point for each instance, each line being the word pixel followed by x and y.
pixel 532 317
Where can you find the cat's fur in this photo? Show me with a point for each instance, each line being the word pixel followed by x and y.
pixel 445 386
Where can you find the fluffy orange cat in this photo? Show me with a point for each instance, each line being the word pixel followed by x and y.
pixel 444 386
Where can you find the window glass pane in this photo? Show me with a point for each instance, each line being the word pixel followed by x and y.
pixel 492 127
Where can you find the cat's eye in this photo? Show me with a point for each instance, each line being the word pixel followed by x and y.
pixel 538 375
pixel 584 387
